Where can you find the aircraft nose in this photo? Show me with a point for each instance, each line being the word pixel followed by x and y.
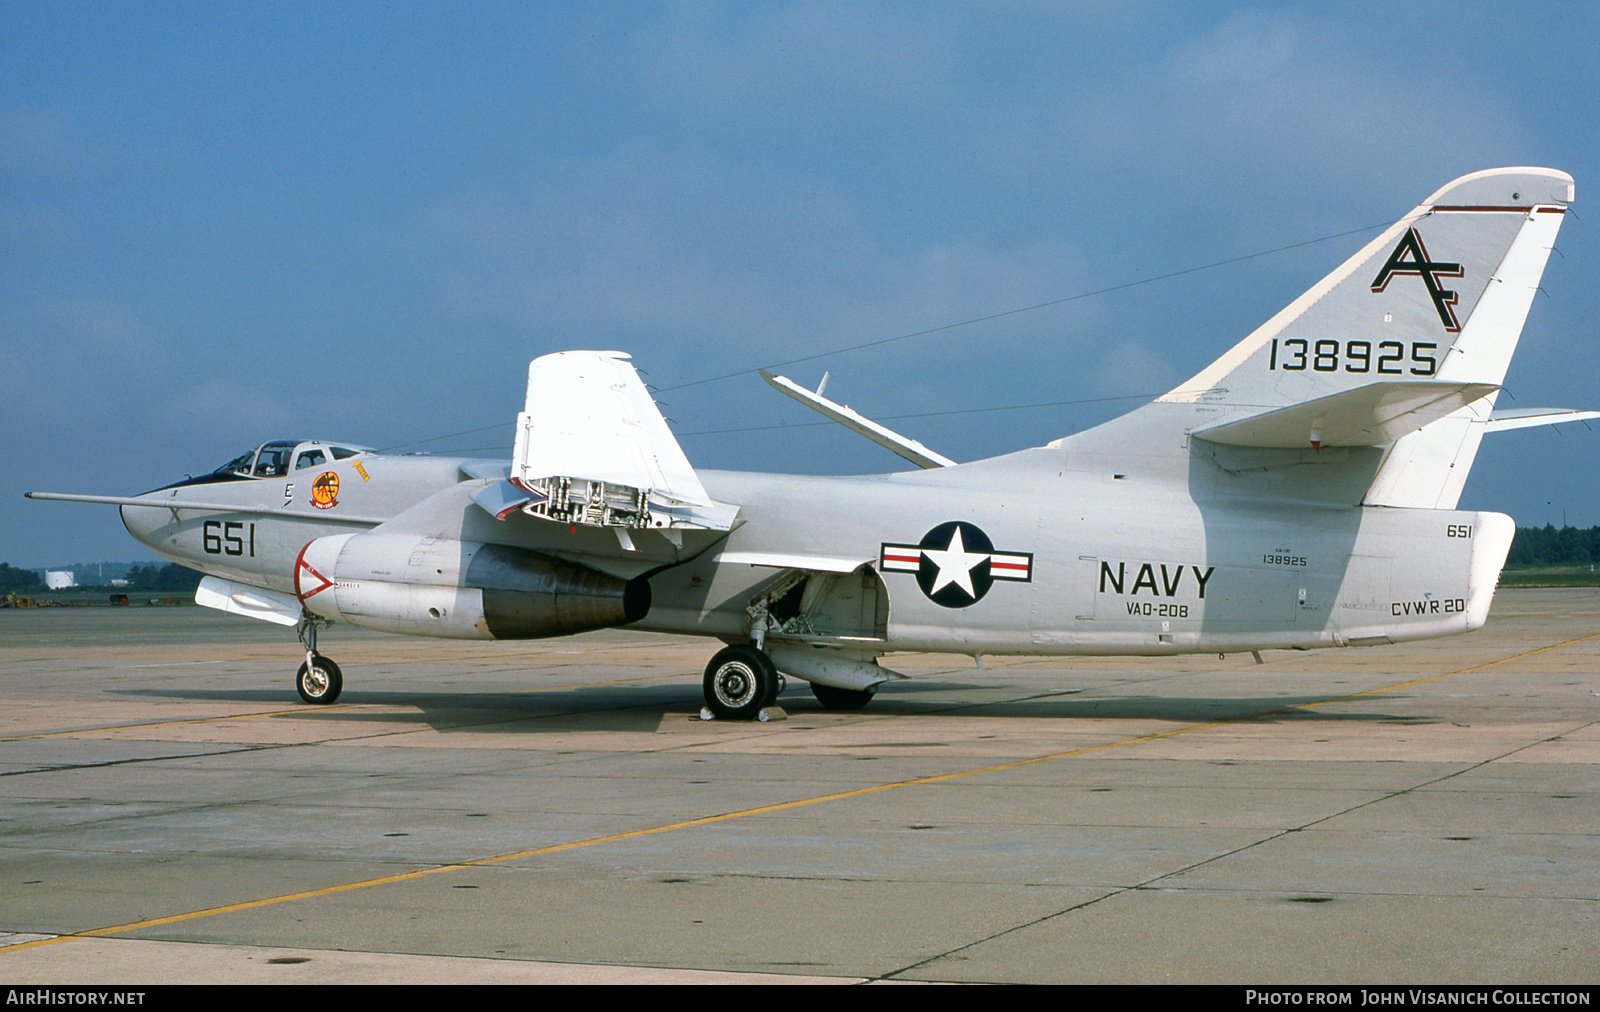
pixel 145 524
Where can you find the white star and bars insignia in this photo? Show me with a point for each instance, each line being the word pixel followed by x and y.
pixel 956 564
pixel 908 558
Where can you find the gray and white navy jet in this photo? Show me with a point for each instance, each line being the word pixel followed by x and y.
pixel 1299 492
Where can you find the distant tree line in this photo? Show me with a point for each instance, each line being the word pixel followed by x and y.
pixel 168 579
pixel 1554 546
pixel 171 578
pixel 18 581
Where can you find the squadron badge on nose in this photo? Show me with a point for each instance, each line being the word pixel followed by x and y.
pixel 325 491
pixel 956 564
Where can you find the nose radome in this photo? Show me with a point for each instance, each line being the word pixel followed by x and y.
pixel 146 525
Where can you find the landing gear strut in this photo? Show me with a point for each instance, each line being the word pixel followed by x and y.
pixel 318 680
pixel 739 681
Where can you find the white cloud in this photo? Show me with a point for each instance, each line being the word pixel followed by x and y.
pixel 808 61
pixel 101 326
pixel 1128 367
pixel 47 142
pixel 225 406
pixel 36 141
pixel 1263 97
pixel 71 352
pixel 763 266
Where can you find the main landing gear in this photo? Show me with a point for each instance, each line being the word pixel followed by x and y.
pixel 741 681
pixel 318 680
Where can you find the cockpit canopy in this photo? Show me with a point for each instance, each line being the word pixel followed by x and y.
pixel 284 456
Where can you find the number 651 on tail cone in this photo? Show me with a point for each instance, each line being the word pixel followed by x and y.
pixel 1298 492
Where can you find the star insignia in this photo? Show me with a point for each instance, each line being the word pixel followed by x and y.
pixel 956 564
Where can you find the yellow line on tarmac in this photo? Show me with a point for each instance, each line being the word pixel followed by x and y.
pixel 727 816
pixel 1449 674
pixel 590 842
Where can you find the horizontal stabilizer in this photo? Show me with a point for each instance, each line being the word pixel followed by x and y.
pixel 592 448
pixel 890 440
pixel 1373 415
pixel 1524 418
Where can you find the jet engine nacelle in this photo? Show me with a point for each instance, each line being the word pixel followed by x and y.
pixel 459 589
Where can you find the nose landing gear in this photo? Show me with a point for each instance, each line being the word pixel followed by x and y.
pixel 319 680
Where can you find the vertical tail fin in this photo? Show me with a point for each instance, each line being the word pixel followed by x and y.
pixel 1406 343
pixel 1428 468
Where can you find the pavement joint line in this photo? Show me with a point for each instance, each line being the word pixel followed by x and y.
pixel 166 723
pixel 1272 837
pixel 708 820
pixel 148 759
pixel 266 746
pixel 301 710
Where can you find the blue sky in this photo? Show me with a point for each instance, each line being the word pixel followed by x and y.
pixel 221 224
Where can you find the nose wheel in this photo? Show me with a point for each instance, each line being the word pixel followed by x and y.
pixel 319 680
pixel 739 681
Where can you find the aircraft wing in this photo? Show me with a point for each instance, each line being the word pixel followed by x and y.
pixel 894 442
pixel 465 513
pixel 592 448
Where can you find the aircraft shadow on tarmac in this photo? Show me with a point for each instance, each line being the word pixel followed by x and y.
pixel 631 708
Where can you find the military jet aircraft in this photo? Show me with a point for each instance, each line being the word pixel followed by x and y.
pixel 1299 492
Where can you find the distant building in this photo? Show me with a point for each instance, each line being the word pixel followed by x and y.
pixel 59 579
